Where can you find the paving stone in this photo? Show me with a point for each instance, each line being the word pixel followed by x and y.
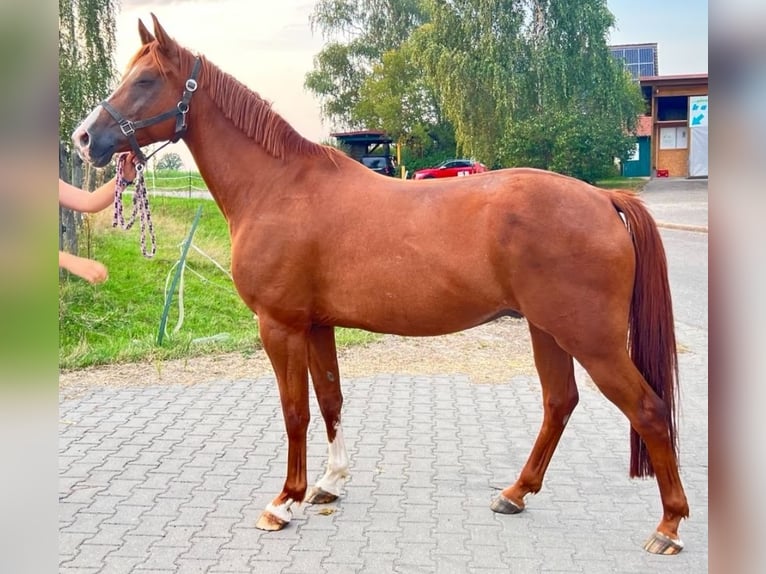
pixel 177 486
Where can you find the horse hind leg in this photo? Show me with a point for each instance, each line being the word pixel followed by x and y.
pixel 323 366
pixel 620 381
pixel 556 371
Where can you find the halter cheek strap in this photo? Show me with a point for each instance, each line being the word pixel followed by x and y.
pixel 129 127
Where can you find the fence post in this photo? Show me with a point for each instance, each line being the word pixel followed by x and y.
pixel 70 170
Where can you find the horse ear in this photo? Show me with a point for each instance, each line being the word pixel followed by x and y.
pixel 165 41
pixel 167 44
pixel 146 35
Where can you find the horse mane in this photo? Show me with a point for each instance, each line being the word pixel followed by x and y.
pixel 247 110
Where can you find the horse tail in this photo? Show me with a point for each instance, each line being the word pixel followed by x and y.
pixel 651 335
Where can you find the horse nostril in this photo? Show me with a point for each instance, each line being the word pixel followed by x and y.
pixel 81 138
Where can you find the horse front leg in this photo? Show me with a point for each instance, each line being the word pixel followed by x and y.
pixel 287 350
pixel 323 366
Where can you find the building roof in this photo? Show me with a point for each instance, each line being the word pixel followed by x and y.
pixel 674 79
pixel 362 137
pixel 644 127
pixel 359 133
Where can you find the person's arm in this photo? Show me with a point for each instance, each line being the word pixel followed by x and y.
pixel 91 202
pixel 85 201
pixel 90 270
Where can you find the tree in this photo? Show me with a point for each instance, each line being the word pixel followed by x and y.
pixel 368 76
pixel 86 62
pixel 86 72
pixel 470 52
pixel 171 161
pixel 576 107
pixel 396 98
pixel 358 32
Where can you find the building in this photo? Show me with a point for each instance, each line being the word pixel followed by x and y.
pixel 672 141
pixel 679 131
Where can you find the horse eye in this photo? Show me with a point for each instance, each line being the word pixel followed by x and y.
pixel 145 81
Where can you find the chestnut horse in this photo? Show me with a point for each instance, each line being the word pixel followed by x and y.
pixel 318 241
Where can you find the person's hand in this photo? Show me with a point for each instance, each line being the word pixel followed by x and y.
pixel 90 270
pixel 129 168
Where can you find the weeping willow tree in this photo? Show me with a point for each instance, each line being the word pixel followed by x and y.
pixel 86 72
pixel 86 58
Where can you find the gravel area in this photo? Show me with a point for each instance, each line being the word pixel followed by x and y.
pixel 489 353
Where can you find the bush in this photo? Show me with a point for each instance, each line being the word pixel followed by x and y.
pixel 572 143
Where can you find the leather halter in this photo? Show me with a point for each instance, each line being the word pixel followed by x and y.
pixel 129 127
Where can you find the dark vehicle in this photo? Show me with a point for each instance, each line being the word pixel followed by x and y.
pixel 383 164
pixel 371 148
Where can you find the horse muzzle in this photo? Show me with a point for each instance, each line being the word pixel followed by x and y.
pixel 94 144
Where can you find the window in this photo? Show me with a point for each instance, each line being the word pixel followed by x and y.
pixel 672 108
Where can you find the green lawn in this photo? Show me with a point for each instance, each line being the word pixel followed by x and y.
pixel 635 184
pixel 118 321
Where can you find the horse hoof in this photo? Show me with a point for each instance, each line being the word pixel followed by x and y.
pixel 659 543
pixel 320 496
pixel 502 505
pixel 270 522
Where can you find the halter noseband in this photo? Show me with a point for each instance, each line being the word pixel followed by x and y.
pixel 179 112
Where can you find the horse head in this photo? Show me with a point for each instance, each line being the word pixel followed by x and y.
pixel 149 105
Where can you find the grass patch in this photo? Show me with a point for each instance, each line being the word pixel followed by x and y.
pixel 634 184
pixel 118 321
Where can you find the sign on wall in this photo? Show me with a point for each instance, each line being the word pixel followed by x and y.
pixel 698 154
pixel 698 111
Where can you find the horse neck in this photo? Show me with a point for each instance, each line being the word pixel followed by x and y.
pixel 236 169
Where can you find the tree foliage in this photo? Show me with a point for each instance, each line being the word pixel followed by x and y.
pixel 516 82
pixel 577 107
pixel 86 58
pixel 470 51
pixel 397 98
pixel 368 76
pixel 358 32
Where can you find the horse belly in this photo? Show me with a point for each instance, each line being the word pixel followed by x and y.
pixel 417 304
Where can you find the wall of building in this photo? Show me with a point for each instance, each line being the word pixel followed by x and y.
pixel 668 152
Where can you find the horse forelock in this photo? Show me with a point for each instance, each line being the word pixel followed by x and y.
pixel 153 51
pixel 248 111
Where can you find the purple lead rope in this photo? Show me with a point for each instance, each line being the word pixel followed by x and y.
pixel 140 205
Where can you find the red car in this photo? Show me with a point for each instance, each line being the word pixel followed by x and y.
pixel 450 168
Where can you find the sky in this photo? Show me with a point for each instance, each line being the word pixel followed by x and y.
pixel 269 46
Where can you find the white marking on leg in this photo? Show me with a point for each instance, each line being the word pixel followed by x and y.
pixel 282 511
pixel 337 465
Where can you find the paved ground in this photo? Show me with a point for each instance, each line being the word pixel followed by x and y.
pixel 171 478
pixel 679 201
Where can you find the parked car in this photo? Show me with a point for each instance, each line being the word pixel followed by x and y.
pixel 450 168
pixel 383 164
